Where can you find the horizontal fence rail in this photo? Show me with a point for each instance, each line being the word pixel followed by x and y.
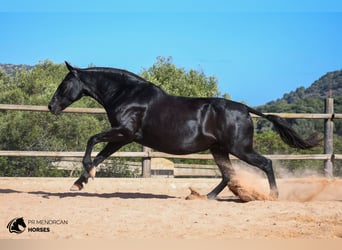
pixel 45 109
pixel 102 111
pixel 11 153
pixel 147 153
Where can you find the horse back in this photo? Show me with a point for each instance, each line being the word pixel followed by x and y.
pixel 182 125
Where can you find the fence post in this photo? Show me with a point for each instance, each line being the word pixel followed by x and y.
pixel 328 137
pixel 146 163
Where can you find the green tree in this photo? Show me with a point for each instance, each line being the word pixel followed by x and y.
pixel 178 81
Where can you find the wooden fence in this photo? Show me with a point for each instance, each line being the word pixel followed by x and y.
pixel 147 154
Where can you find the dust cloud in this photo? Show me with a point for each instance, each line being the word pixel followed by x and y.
pixel 250 184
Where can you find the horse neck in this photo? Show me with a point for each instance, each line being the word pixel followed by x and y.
pixel 102 91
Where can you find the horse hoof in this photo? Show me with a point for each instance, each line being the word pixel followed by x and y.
pixel 194 195
pixel 75 187
pixel 92 172
pixel 274 194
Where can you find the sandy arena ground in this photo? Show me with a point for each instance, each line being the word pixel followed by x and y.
pixel 108 208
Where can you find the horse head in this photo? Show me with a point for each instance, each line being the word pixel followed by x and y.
pixel 69 91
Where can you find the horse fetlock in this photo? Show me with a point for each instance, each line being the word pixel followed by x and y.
pixel 87 166
pixel 194 195
pixel 211 196
pixel 92 172
pixel 77 187
pixel 79 183
pixel 274 194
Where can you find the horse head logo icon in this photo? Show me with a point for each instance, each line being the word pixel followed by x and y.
pixel 17 225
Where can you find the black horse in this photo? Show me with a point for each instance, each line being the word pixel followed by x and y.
pixel 139 111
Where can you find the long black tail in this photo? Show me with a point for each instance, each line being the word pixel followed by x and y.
pixel 287 134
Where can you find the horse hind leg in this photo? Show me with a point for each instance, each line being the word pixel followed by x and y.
pixel 265 165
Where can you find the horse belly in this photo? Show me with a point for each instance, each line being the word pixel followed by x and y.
pixel 180 139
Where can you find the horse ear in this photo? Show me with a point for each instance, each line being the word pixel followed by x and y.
pixel 71 68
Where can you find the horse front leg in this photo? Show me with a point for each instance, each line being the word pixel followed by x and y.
pixel 87 166
pixel 108 150
pixel 222 160
pixel 116 138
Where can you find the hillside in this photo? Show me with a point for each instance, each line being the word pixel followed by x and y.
pixel 10 69
pixel 309 100
pixel 329 85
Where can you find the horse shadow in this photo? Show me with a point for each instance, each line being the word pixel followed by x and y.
pixel 126 195
pixel 9 191
pixel 120 195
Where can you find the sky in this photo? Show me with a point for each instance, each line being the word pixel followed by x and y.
pixel 258 50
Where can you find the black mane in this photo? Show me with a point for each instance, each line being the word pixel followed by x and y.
pixel 115 71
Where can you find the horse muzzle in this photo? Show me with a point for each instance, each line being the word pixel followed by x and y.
pixel 54 109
